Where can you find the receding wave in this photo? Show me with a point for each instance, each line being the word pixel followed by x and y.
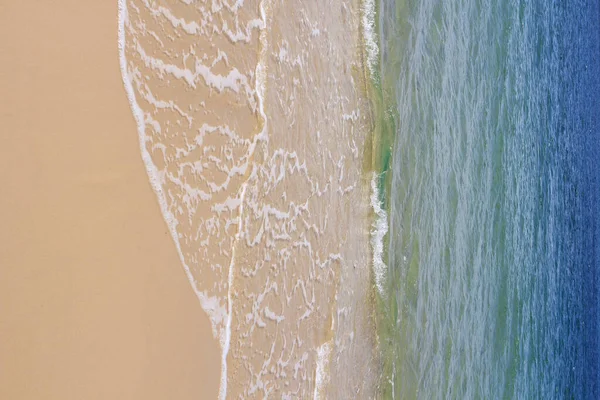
pixel 252 122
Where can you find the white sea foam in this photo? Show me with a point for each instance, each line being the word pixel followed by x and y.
pixel 210 304
pixel 262 135
pixel 322 376
pixel 380 229
pixel 246 201
pixel 370 35
pixel 153 174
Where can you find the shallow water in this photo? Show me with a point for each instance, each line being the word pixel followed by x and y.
pixel 491 289
pixel 252 123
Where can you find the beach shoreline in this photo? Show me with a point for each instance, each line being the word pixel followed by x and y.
pixel 253 122
pixel 258 160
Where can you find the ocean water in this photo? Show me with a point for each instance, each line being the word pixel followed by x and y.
pixel 491 287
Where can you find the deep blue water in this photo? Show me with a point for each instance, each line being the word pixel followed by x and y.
pixel 493 248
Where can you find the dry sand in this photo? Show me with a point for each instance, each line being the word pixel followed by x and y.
pixel 93 301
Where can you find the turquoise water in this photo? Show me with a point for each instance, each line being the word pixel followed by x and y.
pixel 491 288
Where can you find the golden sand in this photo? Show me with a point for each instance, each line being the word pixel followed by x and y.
pixel 93 300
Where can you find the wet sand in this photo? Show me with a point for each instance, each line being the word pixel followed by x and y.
pixel 93 300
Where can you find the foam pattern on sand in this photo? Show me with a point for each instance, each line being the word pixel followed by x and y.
pixel 251 126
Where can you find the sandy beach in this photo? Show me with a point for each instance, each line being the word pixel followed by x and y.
pixel 94 303
pixel 301 199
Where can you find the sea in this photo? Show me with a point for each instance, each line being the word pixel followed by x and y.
pixel 490 180
pixel 379 199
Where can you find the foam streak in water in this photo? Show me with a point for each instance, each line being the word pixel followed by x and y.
pixel 323 354
pixel 380 229
pixel 369 36
pixel 263 135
